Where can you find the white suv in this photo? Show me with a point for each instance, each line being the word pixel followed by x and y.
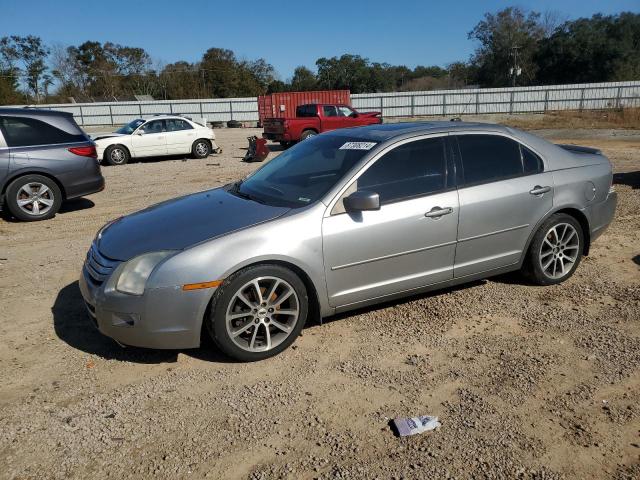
pixel 156 136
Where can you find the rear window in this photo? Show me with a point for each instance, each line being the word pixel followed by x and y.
pixel 306 111
pixel 24 132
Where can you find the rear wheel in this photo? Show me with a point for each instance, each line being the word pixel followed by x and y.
pixel 308 134
pixel 556 250
pixel 33 197
pixel 116 155
pixel 201 149
pixel 258 312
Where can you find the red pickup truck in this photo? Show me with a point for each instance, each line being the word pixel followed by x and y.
pixel 313 119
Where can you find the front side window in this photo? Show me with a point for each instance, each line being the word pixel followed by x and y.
pixel 329 111
pixel 25 132
pixel 175 125
pixel 489 158
pixel 345 111
pixel 154 126
pixel 304 173
pixel 410 170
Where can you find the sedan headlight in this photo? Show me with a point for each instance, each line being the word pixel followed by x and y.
pixel 135 273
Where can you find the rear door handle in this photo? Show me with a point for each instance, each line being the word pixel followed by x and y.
pixel 538 190
pixel 437 212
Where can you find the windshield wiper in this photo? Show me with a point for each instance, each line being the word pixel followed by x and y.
pixel 235 190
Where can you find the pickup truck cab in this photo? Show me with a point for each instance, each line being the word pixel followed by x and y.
pixel 315 118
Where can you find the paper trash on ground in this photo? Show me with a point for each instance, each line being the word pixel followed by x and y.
pixel 414 425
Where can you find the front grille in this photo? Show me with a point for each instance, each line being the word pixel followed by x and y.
pixel 98 266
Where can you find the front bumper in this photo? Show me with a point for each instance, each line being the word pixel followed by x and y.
pixel 165 318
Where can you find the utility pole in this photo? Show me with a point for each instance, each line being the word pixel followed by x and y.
pixel 516 70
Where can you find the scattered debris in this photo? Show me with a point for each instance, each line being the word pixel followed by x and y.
pixel 414 425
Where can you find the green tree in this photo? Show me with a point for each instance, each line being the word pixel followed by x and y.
pixel 597 49
pixel 503 35
pixel 303 80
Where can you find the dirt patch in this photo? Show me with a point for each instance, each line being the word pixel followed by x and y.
pixel 528 382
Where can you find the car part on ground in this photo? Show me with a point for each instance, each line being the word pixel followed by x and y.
pixel 345 220
pixel 45 159
pixel 257 151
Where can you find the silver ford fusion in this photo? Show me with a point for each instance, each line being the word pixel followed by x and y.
pixel 343 220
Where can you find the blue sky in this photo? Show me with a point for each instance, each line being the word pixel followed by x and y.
pixel 285 33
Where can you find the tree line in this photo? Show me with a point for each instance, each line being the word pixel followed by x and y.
pixel 514 47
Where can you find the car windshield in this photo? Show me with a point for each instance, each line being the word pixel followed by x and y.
pixel 129 128
pixel 305 172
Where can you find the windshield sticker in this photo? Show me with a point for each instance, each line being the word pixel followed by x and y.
pixel 358 146
pixel 304 199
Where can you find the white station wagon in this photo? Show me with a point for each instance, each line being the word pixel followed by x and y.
pixel 155 137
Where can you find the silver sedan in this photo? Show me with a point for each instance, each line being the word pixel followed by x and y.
pixel 346 219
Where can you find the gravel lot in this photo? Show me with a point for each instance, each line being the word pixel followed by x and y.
pixel 528 382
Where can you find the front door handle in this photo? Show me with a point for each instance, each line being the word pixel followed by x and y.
pixel 538 190
pixel 437 212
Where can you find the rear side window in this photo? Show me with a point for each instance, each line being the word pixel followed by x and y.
pixel 489 158
pixel 174 125
pixel 25 132
pixel 306 111
pixel 410 170
pixel 531 162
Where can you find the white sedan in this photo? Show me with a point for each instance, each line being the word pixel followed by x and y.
pixel 154 137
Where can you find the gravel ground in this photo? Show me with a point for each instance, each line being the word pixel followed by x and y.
pixel 528 382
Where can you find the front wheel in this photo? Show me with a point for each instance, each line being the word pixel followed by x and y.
pixel 556 250
pixel 33 197
pixel 258 312
pixel 308 134
pixel 201 149
pixel 116 155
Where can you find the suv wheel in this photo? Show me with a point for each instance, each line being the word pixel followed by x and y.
pixel 556 250
pixel 258 312
pixel 33 197
pixel 116 155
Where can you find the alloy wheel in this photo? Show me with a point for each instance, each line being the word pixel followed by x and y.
pixel 117 155
pixel 262 314
pixel 559 250
pixel 202 149
pixel 35 198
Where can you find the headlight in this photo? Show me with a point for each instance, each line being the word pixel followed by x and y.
pixel 136 271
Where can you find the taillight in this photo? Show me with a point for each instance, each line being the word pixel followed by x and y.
pixel 84 151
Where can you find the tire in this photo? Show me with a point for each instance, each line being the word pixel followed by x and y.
pixel 251 342
pixel 556 250
pixel 201 148
pixel 234 124
pixel 44 193
pixel 116 155
pixel 308 133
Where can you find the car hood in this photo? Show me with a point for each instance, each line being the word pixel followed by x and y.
pixel 182 222
pixel 100 136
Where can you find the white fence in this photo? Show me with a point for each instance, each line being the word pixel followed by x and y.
pixel 588 96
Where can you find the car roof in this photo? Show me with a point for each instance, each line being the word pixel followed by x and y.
pixel 387 131
pixel 29 111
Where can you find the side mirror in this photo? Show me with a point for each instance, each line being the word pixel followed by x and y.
pixel 139 132
pixel 354 115
pixel 362 200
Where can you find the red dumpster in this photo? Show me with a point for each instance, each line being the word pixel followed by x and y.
pixel 283 105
